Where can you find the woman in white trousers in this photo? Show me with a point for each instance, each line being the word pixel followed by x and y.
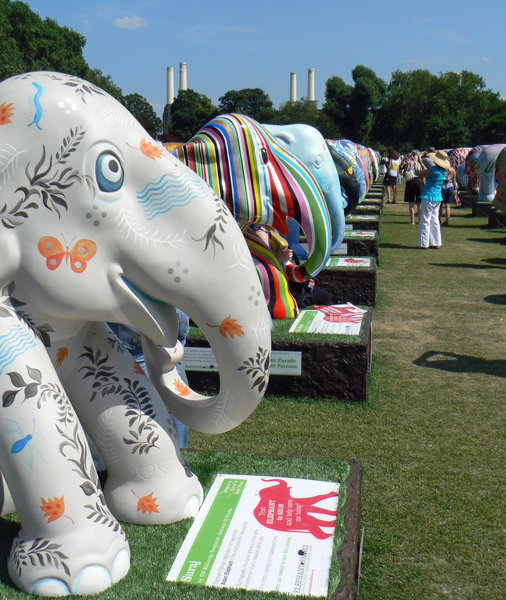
pixel 429 233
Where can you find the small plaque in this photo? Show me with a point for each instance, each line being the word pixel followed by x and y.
pixel 337 319
pixel 283 362
pixel 349 261
pixel 369 234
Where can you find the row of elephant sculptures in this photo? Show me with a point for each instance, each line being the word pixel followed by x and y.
pixel 101 224
pixel 480 170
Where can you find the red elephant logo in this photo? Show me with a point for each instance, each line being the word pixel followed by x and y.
pixel 341 314
pixel 278 510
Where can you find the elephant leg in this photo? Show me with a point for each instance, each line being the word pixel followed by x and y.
pixel 148 480
pixel 69 542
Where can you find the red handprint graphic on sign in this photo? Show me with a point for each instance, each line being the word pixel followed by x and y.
pixel 278 510
pixel 341 314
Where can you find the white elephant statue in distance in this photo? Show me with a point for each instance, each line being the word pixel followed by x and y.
pixel 98 223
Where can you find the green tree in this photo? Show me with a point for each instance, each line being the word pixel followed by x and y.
pixel 189 112
pixel 144 113
pixel 38 44
pixel 304 112
pixel 337 102
pixel 448 110
pixel 11 58
pixel 367 96
pixel 252 102
pixel 353 107
pixel 401 122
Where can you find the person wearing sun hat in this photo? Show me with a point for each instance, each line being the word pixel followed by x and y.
pixel 429 233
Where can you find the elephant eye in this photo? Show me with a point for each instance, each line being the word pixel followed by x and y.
pixel 265 155
pixel 318 161
pixel 109 172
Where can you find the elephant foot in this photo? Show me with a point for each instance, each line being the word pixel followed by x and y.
pixel 46 567
pixel 155 496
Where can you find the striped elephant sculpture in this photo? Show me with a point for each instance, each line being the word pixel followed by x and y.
pixel 263 184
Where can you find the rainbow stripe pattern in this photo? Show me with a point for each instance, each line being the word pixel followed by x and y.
pixel 262 183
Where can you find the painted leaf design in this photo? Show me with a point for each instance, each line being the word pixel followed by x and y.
pixel 150 151
pixel 53 509
pixel 147 504
pixel 16 379
pixel 8 398
pixel 181 388
pixel 138 369
pixel 6 112
pixel 229 327
pixel 61 356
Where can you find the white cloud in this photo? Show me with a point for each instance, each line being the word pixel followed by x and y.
pixel 485 59
pixel 130 23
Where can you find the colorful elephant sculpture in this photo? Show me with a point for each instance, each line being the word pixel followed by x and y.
pixel 98 223
pixel 263 184
pixel 347 178
pixel 308 145
pixel 485 171
pixel 473 184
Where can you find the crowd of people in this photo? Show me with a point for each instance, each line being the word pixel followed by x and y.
pixel 430 185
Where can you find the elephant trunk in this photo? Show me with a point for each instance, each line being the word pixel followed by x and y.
pixel 238 330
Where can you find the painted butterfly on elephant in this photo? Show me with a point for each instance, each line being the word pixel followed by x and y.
pixel 54 253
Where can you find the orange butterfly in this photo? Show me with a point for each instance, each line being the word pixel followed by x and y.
pixel 53 251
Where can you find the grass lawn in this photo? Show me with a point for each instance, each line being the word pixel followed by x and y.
pixel 431 436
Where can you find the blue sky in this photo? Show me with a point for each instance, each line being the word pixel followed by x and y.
pixel 257 43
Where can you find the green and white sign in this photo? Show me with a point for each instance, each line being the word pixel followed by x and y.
pixel 337 319
pixel 262 533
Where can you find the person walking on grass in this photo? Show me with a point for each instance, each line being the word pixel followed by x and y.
pixel 449 189
pixel 414 185
pixel 390 182
pixel 429 233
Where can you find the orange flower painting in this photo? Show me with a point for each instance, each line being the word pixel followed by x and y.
pixel 151 151
pixel 181 388
pixel 61 356
pixel 6 112
pixel 138 369
pixel 54 509
pixel 229 327
pixel 147 504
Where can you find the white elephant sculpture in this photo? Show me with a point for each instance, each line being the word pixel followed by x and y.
pixel 485 171
pixel 98 223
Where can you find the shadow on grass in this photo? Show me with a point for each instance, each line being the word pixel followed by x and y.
pixel 461 363
pixel 496 299
pixel 398 246
pixel 488 240
pixel 494 263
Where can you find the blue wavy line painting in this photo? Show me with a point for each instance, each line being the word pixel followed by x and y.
pixel 38 107
pixel 171 191
pixel 14 343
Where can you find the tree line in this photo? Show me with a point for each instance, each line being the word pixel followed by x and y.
pixel 415 109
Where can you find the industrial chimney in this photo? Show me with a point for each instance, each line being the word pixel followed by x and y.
pixel 170 85
pixel 293 87
pixel 311 87
pixel 183 85
pixel 170 97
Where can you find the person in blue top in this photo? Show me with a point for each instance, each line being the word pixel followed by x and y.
pixel 429 233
